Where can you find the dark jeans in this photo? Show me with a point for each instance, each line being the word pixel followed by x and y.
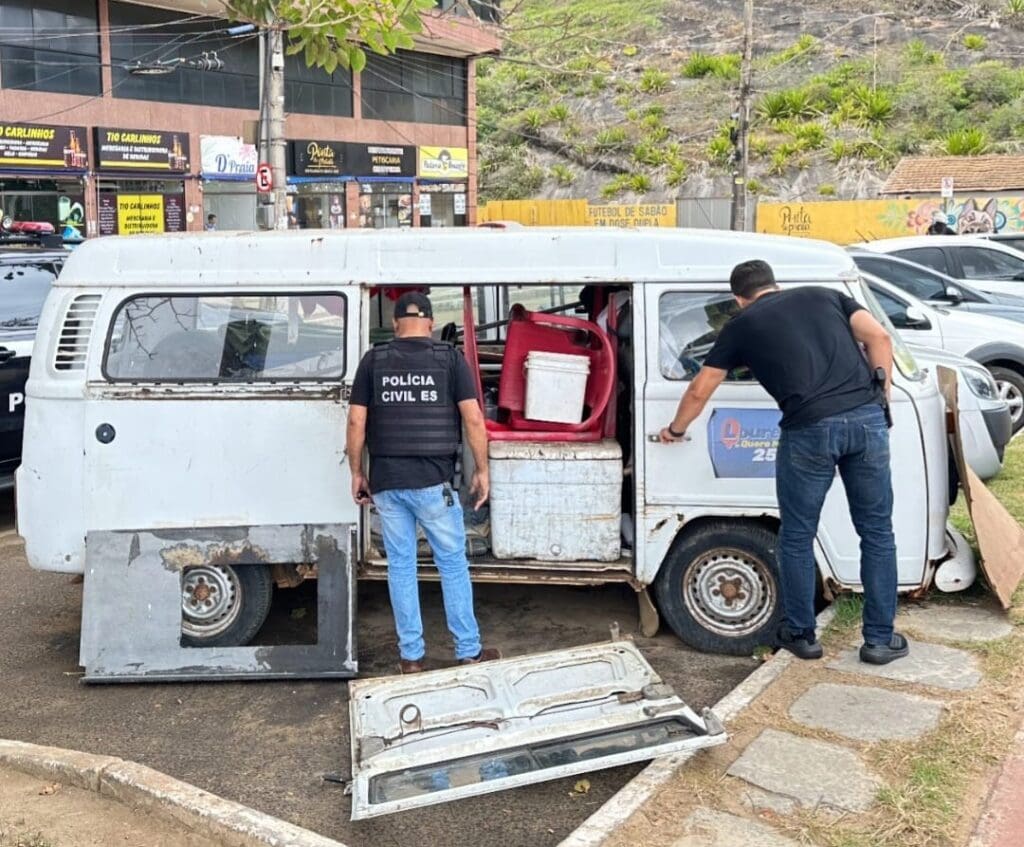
pixel 857 442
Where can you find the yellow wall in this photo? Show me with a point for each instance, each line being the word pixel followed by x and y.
pixel 850 221
pixel 579 213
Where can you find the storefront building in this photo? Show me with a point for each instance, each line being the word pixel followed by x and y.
pixel 337 184
pixel 43 175
pixel 228 175
pixel 141 176
pixel 160 152
pixel 443 181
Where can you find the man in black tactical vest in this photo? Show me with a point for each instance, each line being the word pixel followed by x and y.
pixel 410 399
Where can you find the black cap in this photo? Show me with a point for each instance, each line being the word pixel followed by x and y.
pixel 412 304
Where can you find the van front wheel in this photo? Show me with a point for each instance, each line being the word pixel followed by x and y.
pixel 718 588
pixel 223 605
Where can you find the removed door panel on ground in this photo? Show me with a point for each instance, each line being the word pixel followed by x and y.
pixel 444 735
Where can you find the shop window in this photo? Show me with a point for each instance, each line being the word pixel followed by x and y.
pixel 417 87
pixel 231 338
pixel 384 205
pixel 50 45
pixel 144 34
pixel 312 91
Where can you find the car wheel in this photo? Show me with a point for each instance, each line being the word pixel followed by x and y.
pixel 224 605
pixel 718 588
pixel 1011 389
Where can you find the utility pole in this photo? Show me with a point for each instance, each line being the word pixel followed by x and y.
pixel 275 114
pixel 741 140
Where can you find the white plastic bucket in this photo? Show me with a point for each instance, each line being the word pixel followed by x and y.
pixel 555 387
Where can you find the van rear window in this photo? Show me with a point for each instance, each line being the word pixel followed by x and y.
pixel 242 338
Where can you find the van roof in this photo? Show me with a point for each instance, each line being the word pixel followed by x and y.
pixel 439 256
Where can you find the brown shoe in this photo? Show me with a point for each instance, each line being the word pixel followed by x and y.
pixel 488 654
pixel 411 666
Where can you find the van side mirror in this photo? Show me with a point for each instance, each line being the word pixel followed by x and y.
pixel 916 319
pixel 953 294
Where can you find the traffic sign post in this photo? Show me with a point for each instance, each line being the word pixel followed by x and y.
pixel 264 179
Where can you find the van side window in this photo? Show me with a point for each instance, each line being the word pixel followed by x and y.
pixel 228 337
pixel 689 324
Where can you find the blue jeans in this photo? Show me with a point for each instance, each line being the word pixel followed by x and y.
pixel 856 442
pixel 400 510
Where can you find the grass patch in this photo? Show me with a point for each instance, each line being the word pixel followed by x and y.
pixel 8 838
pixel 846 620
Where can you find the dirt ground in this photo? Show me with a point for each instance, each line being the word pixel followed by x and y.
pixel 268 744
pixel 37 813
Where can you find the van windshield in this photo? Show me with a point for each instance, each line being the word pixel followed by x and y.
pixel 901 354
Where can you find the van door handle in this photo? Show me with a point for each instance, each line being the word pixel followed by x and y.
pixel 655 438
pixel 6 355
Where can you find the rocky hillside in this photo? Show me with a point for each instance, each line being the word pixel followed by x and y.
pixel 632 99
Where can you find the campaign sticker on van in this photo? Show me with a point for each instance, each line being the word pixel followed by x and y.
pixel 743 442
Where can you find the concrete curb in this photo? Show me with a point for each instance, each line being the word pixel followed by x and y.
pixel 225 821
pixel 601 825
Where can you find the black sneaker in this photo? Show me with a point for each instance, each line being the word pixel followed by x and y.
pixel 799 644
pixel 882 654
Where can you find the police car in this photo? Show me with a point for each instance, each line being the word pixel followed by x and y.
pixel 29 263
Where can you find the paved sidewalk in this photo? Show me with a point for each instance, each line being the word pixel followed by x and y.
pixel 1002 824
pixel 835 750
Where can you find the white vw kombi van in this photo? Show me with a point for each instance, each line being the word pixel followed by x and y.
pixel 201 381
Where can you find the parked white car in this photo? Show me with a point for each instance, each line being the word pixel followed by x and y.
pixel 996 343
pixel 984 416
pixel 988 265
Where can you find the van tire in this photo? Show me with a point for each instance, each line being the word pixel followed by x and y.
pixel 740 556
pixel 251 589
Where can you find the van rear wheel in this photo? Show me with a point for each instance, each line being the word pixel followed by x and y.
pixel 718 588
pixel 224 605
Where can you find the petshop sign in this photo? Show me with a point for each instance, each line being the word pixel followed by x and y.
pixel 226 157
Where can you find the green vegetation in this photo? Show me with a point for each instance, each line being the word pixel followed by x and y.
pixel 966 142
pixel 827 189
pixel 611 139
pixel 584 83
pixel 653 81
pixel 562 175
pixel 725 66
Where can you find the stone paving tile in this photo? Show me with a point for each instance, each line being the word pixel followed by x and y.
pixel 866 713
pixel 956 622
pixel 765 801
pixel 711 828
pixel 927 664
pixel 811 772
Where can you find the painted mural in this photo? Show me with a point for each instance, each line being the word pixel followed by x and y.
pixel 850 221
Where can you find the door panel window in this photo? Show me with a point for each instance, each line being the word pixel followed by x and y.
pixel 689 324
pixel 979 263
pixel 241 338
pixel 930 257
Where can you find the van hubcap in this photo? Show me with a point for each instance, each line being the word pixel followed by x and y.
pixel 729 592
pixel 210 600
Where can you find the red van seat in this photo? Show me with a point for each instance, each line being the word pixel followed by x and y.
pixel 538 331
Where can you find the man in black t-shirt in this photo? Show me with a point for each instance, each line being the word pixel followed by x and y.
pixel 410 399
pixel 803 346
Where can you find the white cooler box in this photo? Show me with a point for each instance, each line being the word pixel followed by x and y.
pixel 556 502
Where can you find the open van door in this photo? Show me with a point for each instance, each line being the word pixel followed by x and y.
pixel 433 737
